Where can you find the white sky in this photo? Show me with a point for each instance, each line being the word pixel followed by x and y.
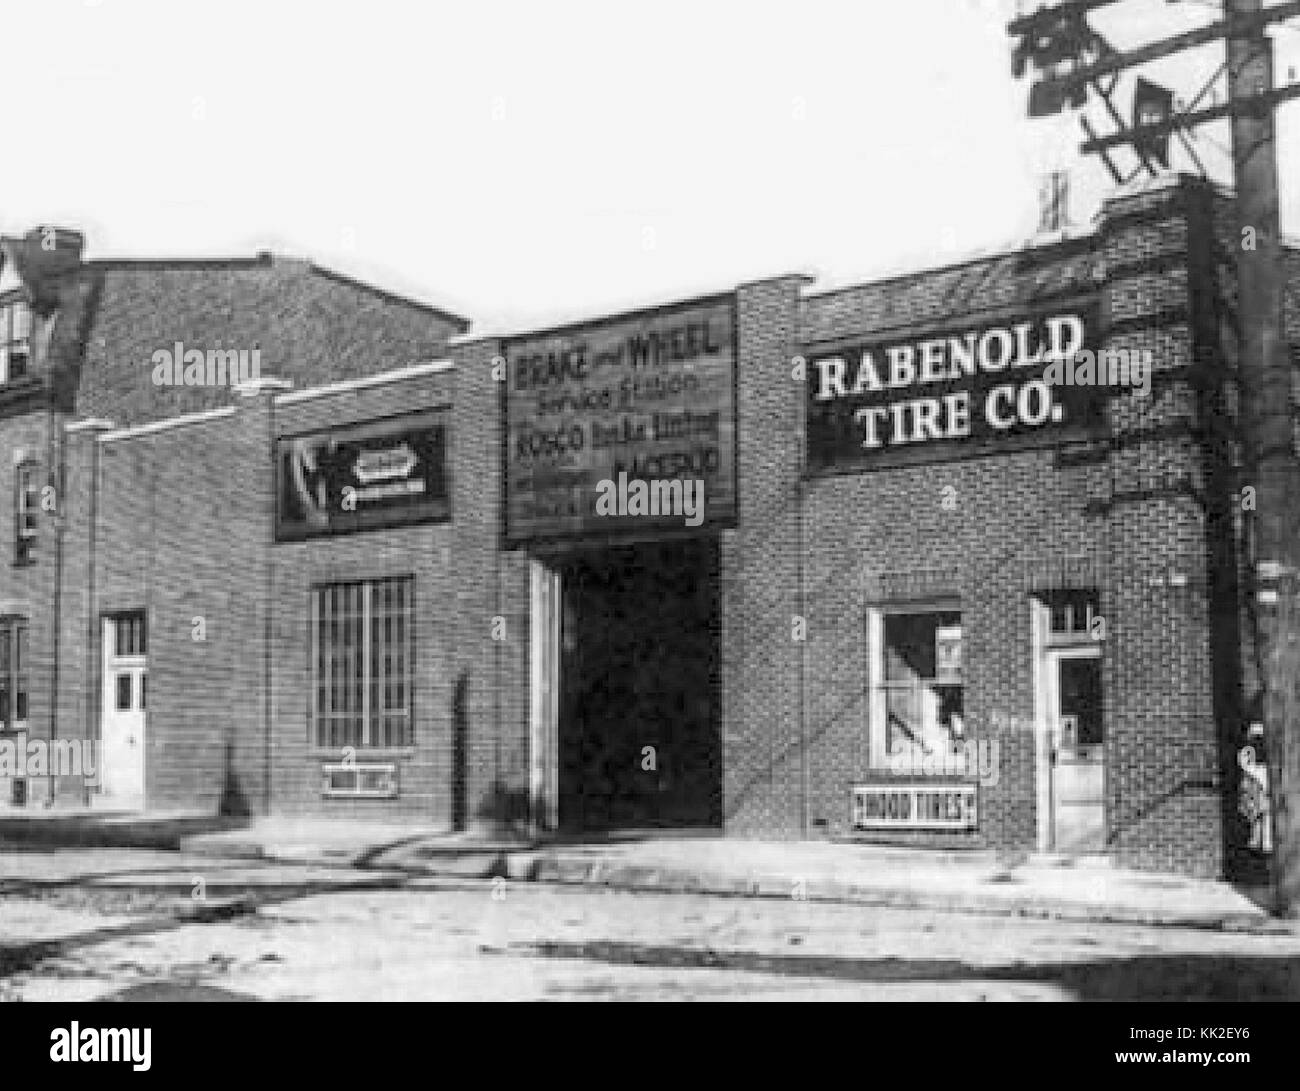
pixel 524 162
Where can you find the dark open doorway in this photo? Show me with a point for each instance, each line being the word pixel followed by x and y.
pixel 639 734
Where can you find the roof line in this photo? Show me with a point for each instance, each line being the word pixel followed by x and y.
pixel 1010 250
pixel 166 423
pixel 265 260
pixel 458 320
pixel 345 386
pixel 569 325
pixel 261 261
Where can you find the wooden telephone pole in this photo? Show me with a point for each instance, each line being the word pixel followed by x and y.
pixel 1057 37
pixel 1265 372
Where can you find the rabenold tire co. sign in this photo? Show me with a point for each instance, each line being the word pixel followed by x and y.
pixel 950 393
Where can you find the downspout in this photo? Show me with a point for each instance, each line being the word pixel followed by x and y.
pixel 801 500
pixel 58 452
pixel 91 690
pixel 269 607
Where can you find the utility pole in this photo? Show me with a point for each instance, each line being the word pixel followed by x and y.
pixel 1264 369
pixel 1058 41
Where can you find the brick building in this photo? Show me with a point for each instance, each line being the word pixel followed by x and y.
pixel 932 588
pixel 109 491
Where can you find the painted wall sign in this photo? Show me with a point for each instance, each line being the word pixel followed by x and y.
pixel 377 474
pixel 902 805
pixel 649 396
pixel 940 395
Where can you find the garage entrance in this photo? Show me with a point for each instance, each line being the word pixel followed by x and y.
pixel 638 701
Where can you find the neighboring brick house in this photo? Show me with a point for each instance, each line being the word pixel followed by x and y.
pixel 77 348
pixel 931 594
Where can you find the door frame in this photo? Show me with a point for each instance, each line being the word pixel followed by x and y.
pixel 110 664
pixel 1047 655
pixel 545 611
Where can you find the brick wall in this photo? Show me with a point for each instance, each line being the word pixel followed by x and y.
pixel 27 591
pixel 183 519
pixel 1136 509
pixel 762 750
pixel 311 328
pixel 185 531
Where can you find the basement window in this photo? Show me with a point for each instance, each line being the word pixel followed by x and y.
pixel 359 781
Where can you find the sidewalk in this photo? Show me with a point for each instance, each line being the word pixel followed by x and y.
pixel 817 871
pixel 820 871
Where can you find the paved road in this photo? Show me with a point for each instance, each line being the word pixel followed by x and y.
pixel 138 925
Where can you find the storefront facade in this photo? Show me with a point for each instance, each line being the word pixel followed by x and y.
pixel 861 564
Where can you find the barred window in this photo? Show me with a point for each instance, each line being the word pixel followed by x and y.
pixel 361 655
pixel 27 506
pixel 13 674
pixel 129 634
pixel 15 340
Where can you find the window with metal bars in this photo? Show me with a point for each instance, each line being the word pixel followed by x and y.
pixel 361 655
pixel 13 673
pixel 129 634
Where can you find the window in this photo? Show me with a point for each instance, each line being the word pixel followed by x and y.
pixel 1072 614
pixel 15 340
pixel 13 674
pixel 129 635
pixel 27 506
pixel 361 655
pixel 915 689
pixel 123 701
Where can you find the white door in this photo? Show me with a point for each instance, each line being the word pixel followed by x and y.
pixel 122 717
pixel 1077 754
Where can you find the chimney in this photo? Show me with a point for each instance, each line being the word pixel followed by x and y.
pixel 43 257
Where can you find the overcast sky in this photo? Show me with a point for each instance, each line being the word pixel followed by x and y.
pixel 523 162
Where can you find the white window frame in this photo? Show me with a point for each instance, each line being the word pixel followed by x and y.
pixel 10 309
pixel 879 759
pixel 27 504
pixel 1069 636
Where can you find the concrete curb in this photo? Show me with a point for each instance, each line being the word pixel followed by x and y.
pixel 1021 904
pixel 538 864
